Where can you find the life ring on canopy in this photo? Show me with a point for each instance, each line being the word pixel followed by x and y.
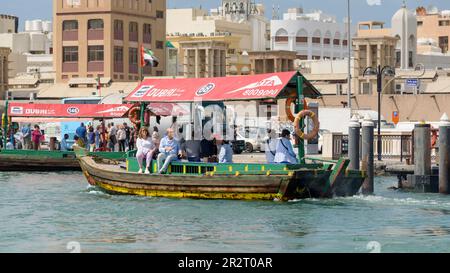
pixel 134 115
pixel 434 138
pixel 289 102
pixel 315 131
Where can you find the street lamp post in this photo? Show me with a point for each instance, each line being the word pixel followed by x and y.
pixel 379 72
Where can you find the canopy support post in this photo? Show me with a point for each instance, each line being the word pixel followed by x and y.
pixel 143 108
pixel 300 107
pixel 5 125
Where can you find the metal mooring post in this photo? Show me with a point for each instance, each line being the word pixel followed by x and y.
pixel 354 132
pixel 422 149
pixel 444 155
pixel 368 155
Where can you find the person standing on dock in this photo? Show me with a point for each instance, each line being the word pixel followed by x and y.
pixel 91 139
pixel 26 131
pixel 81 132
pixel 122 138
pixel 285 152
pixel 169 151
pixel 145 150
pixel 36 136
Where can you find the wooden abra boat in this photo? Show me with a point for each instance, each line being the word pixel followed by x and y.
pixel 44 160
pixel 225 181
pixel 228 181
pixel 47 161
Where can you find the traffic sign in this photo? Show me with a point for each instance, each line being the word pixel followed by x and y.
pixel 412 82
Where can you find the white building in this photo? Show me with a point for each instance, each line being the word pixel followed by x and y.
pixel 404 27
pixel 8 23
pixel 31 50
pixel 313 35
pixel 240 18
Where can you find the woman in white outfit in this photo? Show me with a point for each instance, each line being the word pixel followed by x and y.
pixel 145 149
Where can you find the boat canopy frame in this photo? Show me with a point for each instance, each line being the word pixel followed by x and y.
pixel 281 85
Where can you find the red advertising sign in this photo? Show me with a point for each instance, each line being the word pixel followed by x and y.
pixel 264 86
pixel 68 110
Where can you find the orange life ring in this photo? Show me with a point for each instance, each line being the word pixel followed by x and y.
pixel 315 131
pixel 289 102
pixel 434 138
pixel 134 115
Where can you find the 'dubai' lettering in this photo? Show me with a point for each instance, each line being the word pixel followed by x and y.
pixel 157 92
pixel 40 112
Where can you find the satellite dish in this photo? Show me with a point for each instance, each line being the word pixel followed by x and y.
pixel 432 9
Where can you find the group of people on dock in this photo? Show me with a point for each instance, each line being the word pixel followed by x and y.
pixel 170 149
pixel 109 137
pixel 31 138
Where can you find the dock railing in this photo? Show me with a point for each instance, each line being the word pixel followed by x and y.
pixel 396 146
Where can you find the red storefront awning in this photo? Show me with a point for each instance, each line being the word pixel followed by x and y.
pixel 68 110
pixel 257 87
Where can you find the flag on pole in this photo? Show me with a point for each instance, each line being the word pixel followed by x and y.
pixel 148 58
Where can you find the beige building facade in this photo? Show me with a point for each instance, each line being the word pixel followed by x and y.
pixel 372 49
pixel 204 59
pixel 4 53
pixel 272 61
pixel 99 38
pixel 434 26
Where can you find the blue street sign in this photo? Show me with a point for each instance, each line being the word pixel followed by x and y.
pixel 412 82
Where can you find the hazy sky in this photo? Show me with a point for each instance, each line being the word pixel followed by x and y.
pixel 362 11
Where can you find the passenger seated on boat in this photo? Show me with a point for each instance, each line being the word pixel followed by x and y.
pixel 191 148
pixel 208 151
pixel 225 150
pixel 64 145
pixel 145 149
pixel 285 152
pixel 271 146
pixel 78 142
pixel 169 151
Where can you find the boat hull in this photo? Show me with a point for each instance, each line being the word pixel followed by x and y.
pixel 295 185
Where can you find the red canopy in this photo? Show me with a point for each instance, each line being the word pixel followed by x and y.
pixel 68 110
pixel 257 87
pixel 167 109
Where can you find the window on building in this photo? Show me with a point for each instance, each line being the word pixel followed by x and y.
pixel 443 43
pixel 118 29
pixel 70 25
pixel 366 88
pixel 336 42
pixel 316 40
pixel 147 33
pixel 70 54
pixel 419 23
pixel 159 44
pixel 118 54
pixel 95 24
pixel 326 41
pixel 444 23
pixel 344 42
pixel 398 58
pixel 410 60
pixel 281 39
pixel 301 40
pixel 95 54
pixel 160 14
pixel 133 59
pixel 133 29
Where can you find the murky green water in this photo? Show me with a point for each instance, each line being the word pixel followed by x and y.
pixel 44 212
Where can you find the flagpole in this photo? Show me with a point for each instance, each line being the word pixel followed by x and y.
pixel 141 66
